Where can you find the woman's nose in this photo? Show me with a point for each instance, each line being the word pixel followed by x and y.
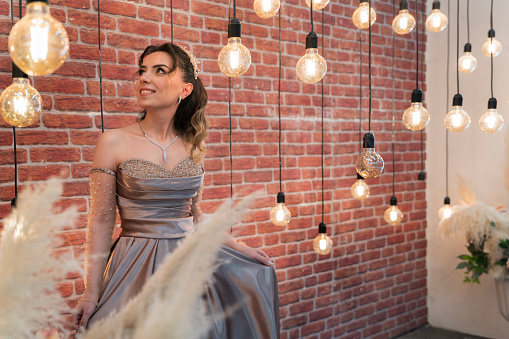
pixel 145 77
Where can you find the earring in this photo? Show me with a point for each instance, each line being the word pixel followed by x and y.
pixel 180 99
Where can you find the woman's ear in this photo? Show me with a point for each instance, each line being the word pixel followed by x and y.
pixel 187 90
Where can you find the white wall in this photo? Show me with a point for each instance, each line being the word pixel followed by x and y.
pixel 473 155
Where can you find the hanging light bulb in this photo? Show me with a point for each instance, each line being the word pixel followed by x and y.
pixel 445 211
pixel 234 59
pixel 280 214
pixel 322 243
pixel 312 67
pixel 360 15
pixel 38 43
pixel 369 163
pixel 404 22
pixel 393 215
pixel 491 121
pixel 492 45
pixel 436 21
pixel 467 62
pixel 416 117
pixel 266 8
pixel 360 190
pixel 20 103
pixel 317 4
pixel 457 120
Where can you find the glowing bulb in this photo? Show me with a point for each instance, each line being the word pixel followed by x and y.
pixel 360 190
pixel 20 103
pixel 445 211
pixel 492 45
pixel 457 120
pixel 416 117
pixel 369 163
pixel 322 243
pixel 436 21
pixel 280 215
pixel 360 15
pixel 38 43
pixel 234 59
pixel 393 215
pixel 312 67
pixel 467 62
pixel 491 121
pixel 317 4
pixel 266 8
pixel 404 22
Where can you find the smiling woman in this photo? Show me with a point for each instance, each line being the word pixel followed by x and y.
pixel 153 171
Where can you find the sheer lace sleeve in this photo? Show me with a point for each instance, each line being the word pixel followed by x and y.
pixel 101 222
pixel 195 206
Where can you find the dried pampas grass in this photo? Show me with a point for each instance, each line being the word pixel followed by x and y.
pixel 466 192
pixel 29 270
pixel 170 304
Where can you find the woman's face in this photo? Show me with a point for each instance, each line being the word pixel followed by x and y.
pixel 155 87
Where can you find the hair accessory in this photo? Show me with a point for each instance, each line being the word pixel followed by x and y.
pixel 193 60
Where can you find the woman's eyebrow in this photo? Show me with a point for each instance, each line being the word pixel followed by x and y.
pixel 155 66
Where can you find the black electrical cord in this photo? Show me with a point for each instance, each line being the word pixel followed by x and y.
pixel 422 174
pixel 360 94
pixel 417 44
pixel 468 21
pixel 230 120
pixel 323 54
pixel 279 104
pixel 491 54
pixel 311 14
pixel 458 45
pixel 447 106
pixel 369 68
pixel 171 19
pixel 100 63
pixel 393 108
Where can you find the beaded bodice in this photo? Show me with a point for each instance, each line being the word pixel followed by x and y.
pixel 140 168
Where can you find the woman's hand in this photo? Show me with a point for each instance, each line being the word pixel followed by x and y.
pixel 254 253
pixel 82 313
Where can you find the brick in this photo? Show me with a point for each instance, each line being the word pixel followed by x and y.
pixel 55 154
pixel 34 173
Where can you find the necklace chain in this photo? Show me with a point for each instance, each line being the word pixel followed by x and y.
pixel 155 143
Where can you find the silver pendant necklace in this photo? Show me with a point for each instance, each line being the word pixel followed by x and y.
pixel 155 143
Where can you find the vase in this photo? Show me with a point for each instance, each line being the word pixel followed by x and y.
pixel 502 286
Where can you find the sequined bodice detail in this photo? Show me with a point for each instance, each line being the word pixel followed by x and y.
pixel 140 168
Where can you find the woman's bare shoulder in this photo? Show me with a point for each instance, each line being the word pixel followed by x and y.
pixel 111 144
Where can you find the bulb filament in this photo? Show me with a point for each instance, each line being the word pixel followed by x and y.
pixel 39 42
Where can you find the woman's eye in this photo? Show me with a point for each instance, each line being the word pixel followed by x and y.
pixel 141 71
pixel 161 71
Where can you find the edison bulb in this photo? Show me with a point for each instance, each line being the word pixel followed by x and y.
pixel 436 21
pixel 360 15
pixel 445 212
pixel 457 120
pixel 280 215
pixel 467 63
pixel 360 190
pixel 322 244
pixel 491 47
pixel 38 43
pixel 491 121
pixel 21 104
pixel 369 163
pixel 317 4
pixel 312 67
pixel 416 117
pixel 234 59
pixel 266 8
pixel 393 215
pixel 404 22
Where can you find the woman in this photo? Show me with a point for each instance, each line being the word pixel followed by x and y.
pixel 153 171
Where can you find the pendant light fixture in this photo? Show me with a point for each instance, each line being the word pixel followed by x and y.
pixel 457 120
pixel 312 67
pixel 234 59
pixel 266 9
pixel 280 215
pixel 322 244
pixel 467 62
pixel 393 215
pixel 446 210
pixel 422 174
pixel 360 190
pixel 317 4
pixel 369 163
pixel 38 43
pixel 404 22
pixel 436 21
pixel 361 15
pixel 492 47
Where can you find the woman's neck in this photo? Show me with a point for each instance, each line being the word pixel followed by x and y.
pixel 159 126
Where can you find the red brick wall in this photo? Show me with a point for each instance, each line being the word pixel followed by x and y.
pixel 374 282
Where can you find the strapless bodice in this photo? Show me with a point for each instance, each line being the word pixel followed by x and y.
pixel 156 205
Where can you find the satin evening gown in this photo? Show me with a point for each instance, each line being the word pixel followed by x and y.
pixel 155 209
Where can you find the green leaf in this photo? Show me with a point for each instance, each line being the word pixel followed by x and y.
pixel 467 280
pixel 461 265
pixel 464 257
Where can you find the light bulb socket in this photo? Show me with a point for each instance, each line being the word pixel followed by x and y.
pixel 447 201
pixel 234 28
pixel 394 201
pixel 417 95
pixel 436 4
pixel 491 33
pixel 18 73
pixel 403 4
pixel 14 203
pixel 492 103
pixel 457 100
pixel 45 1
pixel 312 40
pixel 468 48
pixel 359 177
pixel 361 1
pixel 280 198
pixel 322 228
pixel 422 176
pixel 368 141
